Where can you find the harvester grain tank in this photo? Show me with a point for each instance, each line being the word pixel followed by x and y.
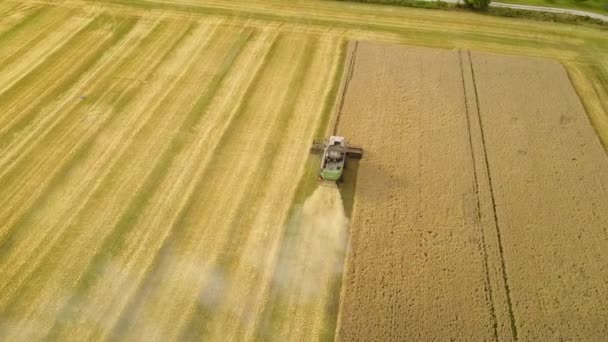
pixel 334 154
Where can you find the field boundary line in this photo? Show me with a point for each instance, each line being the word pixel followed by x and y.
pixel 492 196
pixel 476 189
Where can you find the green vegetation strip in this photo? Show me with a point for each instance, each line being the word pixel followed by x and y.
pixel 565 18
pixel 496 11
pixel 597 6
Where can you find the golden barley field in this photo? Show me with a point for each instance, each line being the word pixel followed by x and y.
pixel 477 209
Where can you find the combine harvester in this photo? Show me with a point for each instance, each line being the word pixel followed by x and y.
pixel 334 152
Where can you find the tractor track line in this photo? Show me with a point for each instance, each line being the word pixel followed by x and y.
pixel 498 234
pixel 349 75
pixel 490 299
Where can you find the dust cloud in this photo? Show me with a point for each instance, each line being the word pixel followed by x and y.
pixel 309 269
pixel 315 244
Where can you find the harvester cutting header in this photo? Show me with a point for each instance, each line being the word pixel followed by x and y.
pixel 334 152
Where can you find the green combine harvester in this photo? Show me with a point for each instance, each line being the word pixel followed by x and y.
pixel 334 153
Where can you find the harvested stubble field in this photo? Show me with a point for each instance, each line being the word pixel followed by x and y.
pixel 147 170
pixel 478 211
pixel 153 159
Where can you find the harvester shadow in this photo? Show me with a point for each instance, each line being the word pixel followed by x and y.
pixel 348 186
pixel 377 184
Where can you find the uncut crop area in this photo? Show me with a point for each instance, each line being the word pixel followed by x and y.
pixel 477 213
pixel 147 168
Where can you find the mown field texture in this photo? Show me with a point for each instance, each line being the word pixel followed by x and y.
pixel 148 166
pixel 153 157
pixel 476 214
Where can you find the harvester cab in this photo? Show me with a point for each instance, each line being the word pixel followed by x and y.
pixel 334 153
